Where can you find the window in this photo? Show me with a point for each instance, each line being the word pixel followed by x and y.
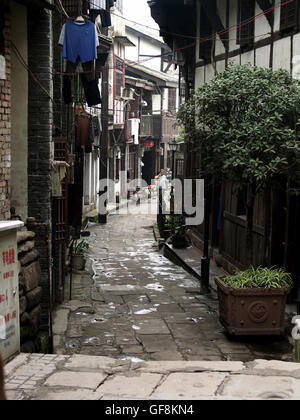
pixel 119 81
pixel 289 15
pixel 206 31
pixel 72 7
pixel 245 32
pixel 98 4
pixel 172 100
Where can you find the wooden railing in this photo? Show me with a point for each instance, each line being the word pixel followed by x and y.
pixel 159 127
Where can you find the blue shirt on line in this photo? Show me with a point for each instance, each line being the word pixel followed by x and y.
pixel 80 41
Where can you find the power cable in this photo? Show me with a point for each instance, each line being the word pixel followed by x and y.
pixel 204 40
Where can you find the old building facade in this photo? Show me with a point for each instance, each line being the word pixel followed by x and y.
pixel 262 33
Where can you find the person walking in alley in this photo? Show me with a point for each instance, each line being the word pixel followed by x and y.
pixel 2 392
pixel 162 184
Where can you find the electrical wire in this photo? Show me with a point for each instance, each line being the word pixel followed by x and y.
pixel 204 40
pixel 25 65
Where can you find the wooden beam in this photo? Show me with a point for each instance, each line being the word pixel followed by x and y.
pixel 41 4
pixel 211 11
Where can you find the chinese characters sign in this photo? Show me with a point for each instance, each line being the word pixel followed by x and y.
pixel 9 295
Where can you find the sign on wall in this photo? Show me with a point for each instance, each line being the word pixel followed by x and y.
pixel 9 291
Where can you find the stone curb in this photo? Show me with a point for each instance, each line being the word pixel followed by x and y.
pixel 80 377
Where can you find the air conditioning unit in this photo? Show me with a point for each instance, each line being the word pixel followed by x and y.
pixel 128 94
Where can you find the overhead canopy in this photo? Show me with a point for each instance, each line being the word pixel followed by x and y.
pixel 41 4
pixel 157 77
pixel 124 40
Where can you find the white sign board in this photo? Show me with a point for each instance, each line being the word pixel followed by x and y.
pixel 2 67
pixel 9 290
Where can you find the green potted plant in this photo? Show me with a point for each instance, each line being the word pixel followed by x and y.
pixel 78 255
pixel 176 225
pixel 244 126
pixel 252 302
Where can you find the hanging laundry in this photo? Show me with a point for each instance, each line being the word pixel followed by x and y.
pixel 102 8
pixel 96 129
pixel 91 90
pixel 79 40
pixel 84 140
pixel 135 127
pixel 58 174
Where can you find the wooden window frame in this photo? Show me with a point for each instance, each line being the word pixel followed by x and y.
pixel 245 34
pixel 289 17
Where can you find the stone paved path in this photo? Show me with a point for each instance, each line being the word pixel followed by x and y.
pixel 138 305
pixel 80 377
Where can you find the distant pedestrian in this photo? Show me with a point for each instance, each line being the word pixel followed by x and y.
pixel 2 391
pixel 162 184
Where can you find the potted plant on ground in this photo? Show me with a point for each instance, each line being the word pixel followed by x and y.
pixel 78 255
pixel 176 225
pixel 252 302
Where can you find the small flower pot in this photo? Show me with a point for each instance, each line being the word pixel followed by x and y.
pixel 78 262
pixel 252 311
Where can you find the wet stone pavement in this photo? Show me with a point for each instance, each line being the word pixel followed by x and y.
pixel 134 304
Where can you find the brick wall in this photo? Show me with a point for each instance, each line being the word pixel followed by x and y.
pixel 5 127
pixel 40 117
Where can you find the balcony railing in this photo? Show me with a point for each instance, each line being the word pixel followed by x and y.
pixel 159 127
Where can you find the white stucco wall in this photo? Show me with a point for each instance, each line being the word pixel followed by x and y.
pixel 282 54
pixel 156 104
pixel 282 51
pixel 146 49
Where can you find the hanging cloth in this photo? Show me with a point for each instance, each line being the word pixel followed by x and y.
pixel 79 41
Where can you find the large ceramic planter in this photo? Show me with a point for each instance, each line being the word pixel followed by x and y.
pixel 252 311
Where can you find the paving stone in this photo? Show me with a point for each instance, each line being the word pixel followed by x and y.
pixel 169 308
pixel 157 343
pixel 184 330
pixel 167 355
pixel 151 326
pixel 132 349
pixel 189 386
pixel 60 321
pixel 242 386
pixel 80 362
pixel 65 395
pixel 133 386
pixel 90 380
pixel 186 366
pixel 120 290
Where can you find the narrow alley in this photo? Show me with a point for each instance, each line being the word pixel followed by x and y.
pixel 132 303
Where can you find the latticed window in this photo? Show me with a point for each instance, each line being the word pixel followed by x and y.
pixel 119 77
pixel 289 16
pixel 72 7
pixel 172 99
pixel 98 4
pixel 245 31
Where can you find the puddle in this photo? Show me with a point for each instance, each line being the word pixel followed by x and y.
pixel 72 344
pixel 85 310
pixel 98 321
pixel 92 340
pixel 132 359
pixel 135 327
pixel 145 311
pixel 155 286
